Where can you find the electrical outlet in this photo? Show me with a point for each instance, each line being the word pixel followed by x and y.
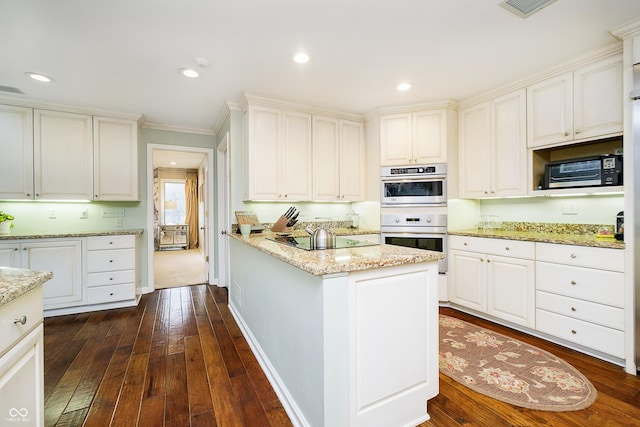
pixel 118 222
pixel 569 208
pixel 84 214
pixel 52 214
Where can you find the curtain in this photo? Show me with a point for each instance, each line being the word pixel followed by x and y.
pixel 191 202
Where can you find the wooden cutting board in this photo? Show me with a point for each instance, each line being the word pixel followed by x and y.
pixel 247 217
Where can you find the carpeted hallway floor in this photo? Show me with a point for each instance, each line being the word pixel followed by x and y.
pixel 178 268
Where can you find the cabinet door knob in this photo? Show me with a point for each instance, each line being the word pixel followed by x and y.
pixel 110 293
pixel 573 331
pixel 22 320
pixel 507 248
pixel 573 282
pixel 577 131
pixel 110 260
pixel 15 249
pixel 566 134
pixel 573 309
pixel 28 194
pixel 573 255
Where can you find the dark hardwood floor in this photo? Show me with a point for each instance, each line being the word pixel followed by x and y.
pixel 179 359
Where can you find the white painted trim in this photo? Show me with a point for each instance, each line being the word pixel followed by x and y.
pixel 290 105
pixel 32 103
pixel 224 202
pixel 161 126
pixel 150 247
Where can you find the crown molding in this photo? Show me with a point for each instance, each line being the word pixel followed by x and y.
pixel 627 30
pixel 250 98
pixel 21 101
pixel 448 104
pixel 571 64
pixel 227 108
pixel 171 128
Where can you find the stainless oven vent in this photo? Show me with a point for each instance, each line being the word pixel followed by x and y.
pixel 525 8
pixel 11 89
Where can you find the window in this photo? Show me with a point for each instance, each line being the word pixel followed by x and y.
pixel 174 207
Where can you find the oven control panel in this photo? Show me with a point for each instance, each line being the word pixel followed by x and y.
pixel 409 220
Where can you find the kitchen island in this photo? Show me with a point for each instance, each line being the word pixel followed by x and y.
pixel 347 337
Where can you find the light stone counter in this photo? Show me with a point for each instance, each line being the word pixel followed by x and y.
pixel 545 237
pixel 329 261
pixel 64 234
pixel 17 281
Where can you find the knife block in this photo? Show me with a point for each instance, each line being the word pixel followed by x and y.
pixel 281 225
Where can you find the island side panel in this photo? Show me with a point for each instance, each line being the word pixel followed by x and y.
pixel 393 344
pixel 279 308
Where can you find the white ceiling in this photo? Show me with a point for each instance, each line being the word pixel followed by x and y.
pixel 177 159
pixel 124 55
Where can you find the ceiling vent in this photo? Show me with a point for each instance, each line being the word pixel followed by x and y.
pixel 525 8
pixel 10 89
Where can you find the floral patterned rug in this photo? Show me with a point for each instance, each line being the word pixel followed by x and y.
pixel 510 370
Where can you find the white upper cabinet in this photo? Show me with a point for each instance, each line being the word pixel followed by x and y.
pixel 509 145
pixel 338 159
pixel 16 161
pixel 278 153
pixel 580 105
pixel 493 151
pixel 414 137
pixel 115 159
pixel 63 156
pixel 474 140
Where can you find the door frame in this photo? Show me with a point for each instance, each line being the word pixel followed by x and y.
pixel 208 153
pixel 224 201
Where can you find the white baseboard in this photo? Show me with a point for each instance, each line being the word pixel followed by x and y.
pixel 290 406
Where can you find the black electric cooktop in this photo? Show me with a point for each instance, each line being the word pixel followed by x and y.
pixel 305 242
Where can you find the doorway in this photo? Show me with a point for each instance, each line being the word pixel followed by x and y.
pixel 178 247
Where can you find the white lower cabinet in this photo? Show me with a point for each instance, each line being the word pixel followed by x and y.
pixel 63 257
pixel 493 276
pixel 111 269
pixel 89 273
pixel 22 361
pixel 580 296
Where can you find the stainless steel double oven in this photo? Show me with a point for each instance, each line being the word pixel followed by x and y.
pixel 413 208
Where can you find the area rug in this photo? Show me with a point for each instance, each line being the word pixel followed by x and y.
pixel 510 370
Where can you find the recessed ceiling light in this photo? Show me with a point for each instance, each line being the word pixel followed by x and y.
pixel 172 163
pixel 403 86
pixel 188 72
pixel 39 77
pixel 301 58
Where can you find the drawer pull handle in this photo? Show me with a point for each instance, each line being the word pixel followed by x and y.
pixel 110 260
pixel 507 248
pixel 22 320
pixel 110 278
pixel 573 282
pixel 111 294
pixel 111 243
pixel 573 309
pixel 573 255
pixel 465 243
pixel 573 331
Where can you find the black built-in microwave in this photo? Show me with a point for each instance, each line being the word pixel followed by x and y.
pixel 595 171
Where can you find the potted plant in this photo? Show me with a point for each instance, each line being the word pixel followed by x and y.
pixel 5 222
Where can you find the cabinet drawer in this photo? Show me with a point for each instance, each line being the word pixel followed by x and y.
pixel 606 340
pixel 110 242
pixel 111 278
pixel 601 314
pixel 604 287
pixel 113 260
pixel 581 256
pixel 500 247
pixel 102 294
pixel 29 305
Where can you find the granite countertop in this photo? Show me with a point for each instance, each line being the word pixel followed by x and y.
pixel 328 261
pixel 63 234
pixel 17 281
pixel 543 237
